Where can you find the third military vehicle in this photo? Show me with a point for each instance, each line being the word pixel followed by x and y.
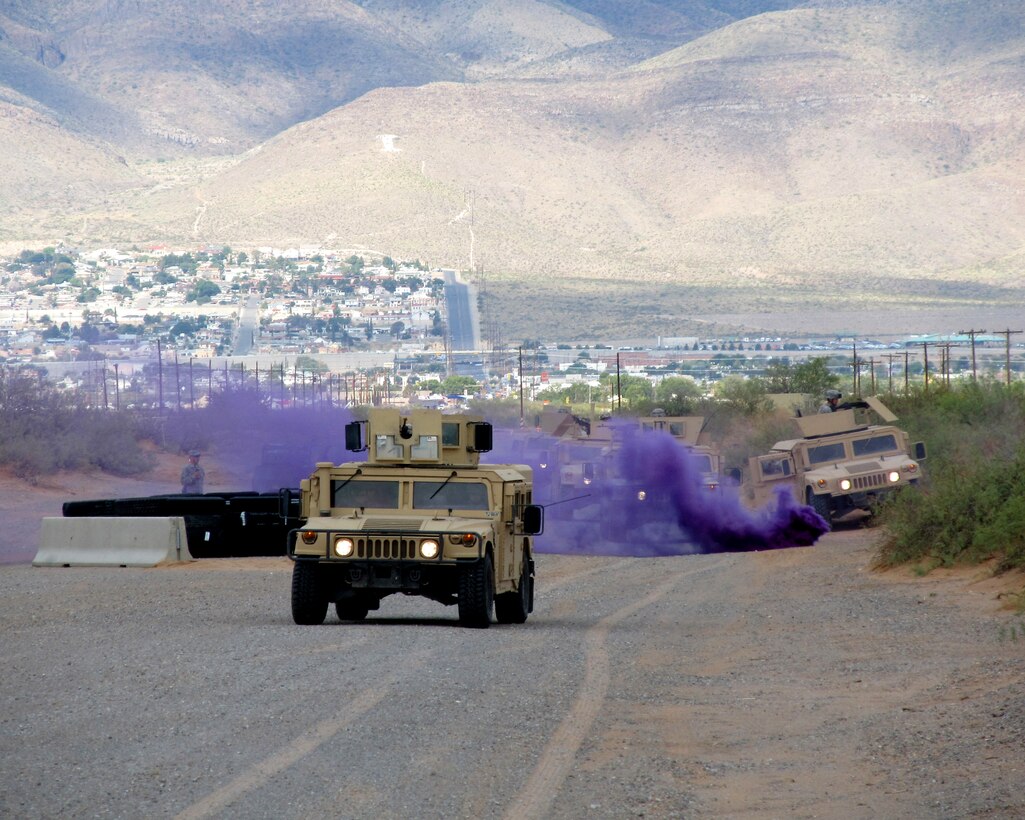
pixel 842 466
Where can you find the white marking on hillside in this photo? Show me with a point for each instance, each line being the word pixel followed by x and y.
pixel 388 143
pixel 200 211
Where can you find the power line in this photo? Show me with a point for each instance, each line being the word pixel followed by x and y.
pixel 1007 347
pixel 971 334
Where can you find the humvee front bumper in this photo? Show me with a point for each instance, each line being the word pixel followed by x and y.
pixel 386 560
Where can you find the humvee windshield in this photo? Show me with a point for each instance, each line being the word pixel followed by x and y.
pixel 432 495
pixel 774 467
pixel 825 452
pixel 875 445
pixel 583 453
pixel 348 493
pixel 703 462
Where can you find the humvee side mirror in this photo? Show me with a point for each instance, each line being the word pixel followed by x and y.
pixel 533 519
pixel 285 502
pixel 919 450
pixel 483 437
pixel 353 436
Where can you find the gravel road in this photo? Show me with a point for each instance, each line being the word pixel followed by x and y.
pixel 795 683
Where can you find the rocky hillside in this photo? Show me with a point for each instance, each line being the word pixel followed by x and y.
pixel 655 157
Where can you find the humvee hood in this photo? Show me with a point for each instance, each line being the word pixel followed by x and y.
pixel 395 523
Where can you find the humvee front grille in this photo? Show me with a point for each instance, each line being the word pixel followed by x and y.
pixel 393 548
pixel 867 482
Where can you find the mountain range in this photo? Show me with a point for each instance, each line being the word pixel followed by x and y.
pixel 605 167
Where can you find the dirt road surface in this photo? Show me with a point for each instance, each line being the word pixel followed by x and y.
pixel 796 683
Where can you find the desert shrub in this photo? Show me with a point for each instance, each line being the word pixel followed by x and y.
pixel 111 443
pixel 43 430
pixel 971 506
pixel 975 419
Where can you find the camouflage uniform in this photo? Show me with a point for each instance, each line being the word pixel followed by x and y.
pixel 192 479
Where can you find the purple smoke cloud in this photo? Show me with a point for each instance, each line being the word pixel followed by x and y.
pixel 643 496
pixel 266 447
pixel 647 496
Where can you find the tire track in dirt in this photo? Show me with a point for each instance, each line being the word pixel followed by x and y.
pixel 557 758
pixel 299 748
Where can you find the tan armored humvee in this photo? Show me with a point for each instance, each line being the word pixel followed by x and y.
pixel 840 466
pixel 690 431
pixel 422 517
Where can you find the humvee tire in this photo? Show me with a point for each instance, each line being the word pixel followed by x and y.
pixel 819 503
pixel 513 607
pixel 477 593
pixel 309 606
pixel 352 609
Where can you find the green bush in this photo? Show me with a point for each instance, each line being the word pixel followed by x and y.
pixel 43 430
pixel 971 506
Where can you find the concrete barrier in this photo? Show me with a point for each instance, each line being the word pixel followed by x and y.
pixel 112 542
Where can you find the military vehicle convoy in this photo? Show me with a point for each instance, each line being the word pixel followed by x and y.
pixel 841 466
pixel 421 516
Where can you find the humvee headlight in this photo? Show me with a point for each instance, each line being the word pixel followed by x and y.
pixel 587 481
pixel 543 465
pixel 822 482
pixel 845 483
pixel 641 495
pixel 343 547
pixel 894 476
pixel 429 549
pixel 910 468
pixel 464 539
pixel 308 536
pixel 713 485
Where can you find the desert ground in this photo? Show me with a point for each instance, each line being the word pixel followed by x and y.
pixel 789 683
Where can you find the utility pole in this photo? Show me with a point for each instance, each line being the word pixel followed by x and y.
pixel 945 362
pixel 1007 348
pixel 925 353
pixel 872 373
pixel 889 368
pixel 971 334
pixel 857 370
pixel 619 389
pixel 521 385
pixel 160 379
pixel 858 364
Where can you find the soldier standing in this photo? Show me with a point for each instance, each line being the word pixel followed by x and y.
pixel 193 475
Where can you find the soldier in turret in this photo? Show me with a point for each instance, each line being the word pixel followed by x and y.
pixel 832 400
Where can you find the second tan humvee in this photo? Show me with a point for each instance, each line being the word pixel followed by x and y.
pixel 841 466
